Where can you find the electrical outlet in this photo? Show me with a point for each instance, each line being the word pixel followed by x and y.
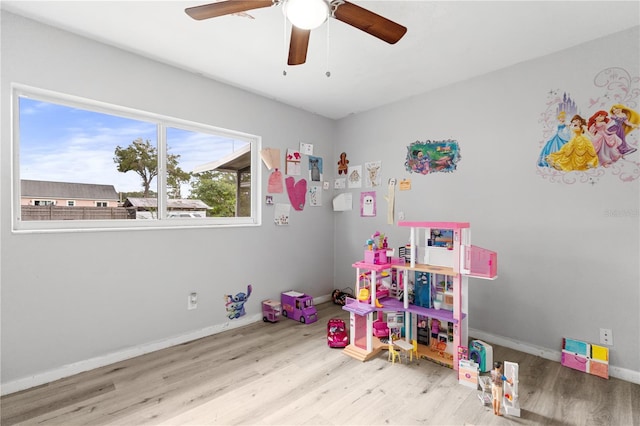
pixel 192 301
pixel 606 337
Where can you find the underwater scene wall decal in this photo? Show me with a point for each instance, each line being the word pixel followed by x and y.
pixel 432 156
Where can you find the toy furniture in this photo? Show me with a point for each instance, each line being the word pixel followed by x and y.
pixel 271 310
pixel 393 354
pixel 468 373
pixel 510 402
pixel 482 354
pixel 485 385
pixel 405 347
pixel 380 328
pixel 414 350
pixel 585 357
pixel 445 259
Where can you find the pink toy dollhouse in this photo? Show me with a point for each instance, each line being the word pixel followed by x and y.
pixel 444 259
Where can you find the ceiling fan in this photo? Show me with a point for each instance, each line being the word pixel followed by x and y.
pixel 306 15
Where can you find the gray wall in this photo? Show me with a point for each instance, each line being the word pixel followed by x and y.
pixel 566 267
pixel 63 303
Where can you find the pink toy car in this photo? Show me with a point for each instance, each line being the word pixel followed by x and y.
pixel 337 333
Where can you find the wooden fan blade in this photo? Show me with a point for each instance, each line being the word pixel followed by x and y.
pixel 369 22
pixel 227 7
pixel 298 46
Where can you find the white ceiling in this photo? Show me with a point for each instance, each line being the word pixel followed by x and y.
pixel 446 42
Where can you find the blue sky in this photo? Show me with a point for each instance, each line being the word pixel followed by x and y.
pixel 64 144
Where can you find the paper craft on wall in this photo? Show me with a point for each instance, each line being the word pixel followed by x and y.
pixel 297 192
pixel 343 202
pixel 315 196
pixel 306 148
pixel 343 164
pixel 281 214
pixel 315 169
pixel 405 185
pixel 235 304
pixel 373 175
pixel 354 177
pixel 271 157
pixel 391 201
pixel 583 142
pixel 432 156
pixel 293 162
pixel 274 185
pixel 368 204
pixel 340 183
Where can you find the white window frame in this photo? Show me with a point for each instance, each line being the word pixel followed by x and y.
pixel 162 122
pixel 101 204
pixel 71 203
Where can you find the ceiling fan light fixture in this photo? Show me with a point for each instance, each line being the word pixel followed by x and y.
pixel 306 14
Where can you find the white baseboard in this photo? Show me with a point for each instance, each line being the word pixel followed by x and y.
pixel 101 361
pixel 97 362
pixel 617 372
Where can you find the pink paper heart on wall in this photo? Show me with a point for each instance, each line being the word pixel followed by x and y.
pixel 297 192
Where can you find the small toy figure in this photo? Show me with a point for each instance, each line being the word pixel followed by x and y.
pixel 343 164
pixel 497 379
pixel 340 296
pixel 435 329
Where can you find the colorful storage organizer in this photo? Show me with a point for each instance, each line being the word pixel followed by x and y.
pixel 585 357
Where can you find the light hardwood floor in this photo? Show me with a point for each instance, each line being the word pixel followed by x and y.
pixel 284 373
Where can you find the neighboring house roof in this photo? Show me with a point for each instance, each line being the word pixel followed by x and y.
pixel 237 160
pixel 67 190
pixel 177 203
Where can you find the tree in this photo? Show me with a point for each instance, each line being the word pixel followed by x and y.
pixel 142 158
pixel 175 177
pixel 218 191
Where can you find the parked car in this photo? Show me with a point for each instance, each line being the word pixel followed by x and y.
pixel 337 333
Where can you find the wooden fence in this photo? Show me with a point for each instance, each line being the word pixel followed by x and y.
pixel 74 213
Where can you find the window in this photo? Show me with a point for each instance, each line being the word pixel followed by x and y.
pixel 123 168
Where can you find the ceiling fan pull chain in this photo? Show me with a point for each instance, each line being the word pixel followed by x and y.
pixel 328 73
pixel 284 41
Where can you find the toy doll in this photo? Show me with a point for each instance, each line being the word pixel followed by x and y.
pixel 497 379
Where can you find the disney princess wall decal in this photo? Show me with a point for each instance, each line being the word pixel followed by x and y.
pixel 583 149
